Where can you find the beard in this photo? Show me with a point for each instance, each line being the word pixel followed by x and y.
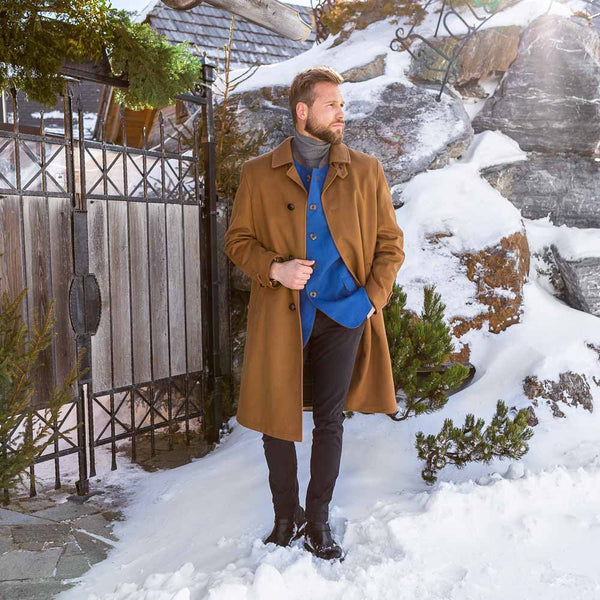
pixel 323 133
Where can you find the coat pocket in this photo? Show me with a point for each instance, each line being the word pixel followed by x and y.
pixel 349 282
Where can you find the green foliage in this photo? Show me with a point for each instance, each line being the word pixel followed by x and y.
pixel 503 438
pixel 38 36
pixel 22 436
pixel 418 348
pixel 156 70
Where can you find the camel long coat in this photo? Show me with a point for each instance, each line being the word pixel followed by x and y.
pixel 268 222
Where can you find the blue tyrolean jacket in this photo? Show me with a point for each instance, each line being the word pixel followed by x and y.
pixel 331 287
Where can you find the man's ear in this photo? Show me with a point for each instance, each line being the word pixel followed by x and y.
pixel 301 111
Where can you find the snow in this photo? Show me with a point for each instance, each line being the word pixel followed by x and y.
pixel 526 530
pixel 89 122
pixel 572 243
pixel 469 213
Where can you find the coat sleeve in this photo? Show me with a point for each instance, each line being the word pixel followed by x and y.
pixel 241 245
pixel 389 247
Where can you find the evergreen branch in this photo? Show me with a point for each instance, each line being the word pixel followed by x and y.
pixel 20 442
pixel 37 37
pixel 503 438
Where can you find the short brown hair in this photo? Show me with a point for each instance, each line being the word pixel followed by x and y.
pixel 302 90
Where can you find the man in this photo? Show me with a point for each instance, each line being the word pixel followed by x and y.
pixel 313 226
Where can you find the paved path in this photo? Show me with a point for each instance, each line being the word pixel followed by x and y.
pixel 49 540
pixel 55 537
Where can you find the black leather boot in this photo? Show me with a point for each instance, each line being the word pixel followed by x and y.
pixel 285 531
pixel 319 541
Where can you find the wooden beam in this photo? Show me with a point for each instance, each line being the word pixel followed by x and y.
pixel 270 14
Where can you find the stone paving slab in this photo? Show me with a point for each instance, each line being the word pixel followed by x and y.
pixel 67 511
pixel 12 517
pixel 25 564
pixel 94 549
pixel 31 590
pixel 42 536
pixel 95 524
pixel 71 565
pixel 6 539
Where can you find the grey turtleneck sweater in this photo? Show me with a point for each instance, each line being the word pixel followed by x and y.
pixel 310 151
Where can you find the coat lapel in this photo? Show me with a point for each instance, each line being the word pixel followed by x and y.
pixel 339 157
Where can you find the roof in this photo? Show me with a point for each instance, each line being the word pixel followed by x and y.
pixel 207 27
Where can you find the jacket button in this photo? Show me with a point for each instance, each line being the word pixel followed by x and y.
pixel 313 294
pixel 291 206
pixel 292 306
pixel 313 207
pixel 313 236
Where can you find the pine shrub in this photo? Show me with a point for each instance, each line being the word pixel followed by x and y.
pixel 419 347
pixel 23 437
pixel 503 438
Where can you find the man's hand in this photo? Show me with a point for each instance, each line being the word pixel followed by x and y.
pixel 293 273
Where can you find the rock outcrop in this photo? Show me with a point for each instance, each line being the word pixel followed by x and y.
pixel 566 189
pixel 487 52
pixel 548 99
pixel 582 281
pixel 499 272
pixel 372 69
pixel 571 389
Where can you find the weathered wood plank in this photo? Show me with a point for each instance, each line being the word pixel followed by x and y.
pixel 119 291
pixel 139 292
pixel 11 262
pixel 176 288
pixel 37 249
pixel 62 273
pixel 158 290
pixel 193 287
pixel 98 249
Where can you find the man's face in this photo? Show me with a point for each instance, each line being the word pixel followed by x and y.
pixel 325 118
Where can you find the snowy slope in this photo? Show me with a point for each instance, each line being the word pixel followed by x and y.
pixel 523 530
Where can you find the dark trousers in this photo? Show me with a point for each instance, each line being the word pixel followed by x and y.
pixel 331 353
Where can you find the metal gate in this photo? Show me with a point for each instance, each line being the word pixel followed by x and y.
pixel 124 240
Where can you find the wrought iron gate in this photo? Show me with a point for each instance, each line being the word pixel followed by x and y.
pixel 124 240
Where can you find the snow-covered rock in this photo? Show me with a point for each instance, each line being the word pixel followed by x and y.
pixel 467 240
pixel 582 280
pixel 488 52
pixel 499 272
pixel 565 189
pixel 571 389
pixel 548 99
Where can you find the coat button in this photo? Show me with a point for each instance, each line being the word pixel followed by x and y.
pixel 313 236
pixel 313 294
pixel 291 206
pixel 313 207
pixel 292 306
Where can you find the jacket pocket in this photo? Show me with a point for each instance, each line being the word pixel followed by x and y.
pixel 349 282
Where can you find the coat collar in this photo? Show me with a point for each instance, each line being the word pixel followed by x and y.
pixel 282 154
